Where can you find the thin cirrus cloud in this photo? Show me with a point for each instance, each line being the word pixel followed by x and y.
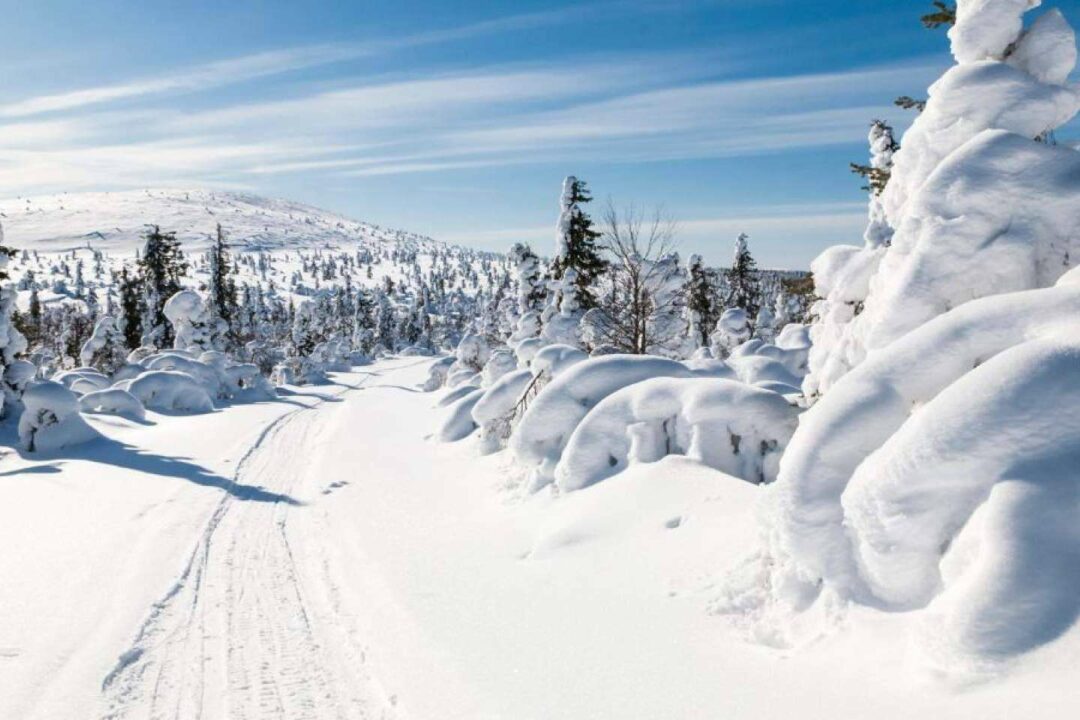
pixel 255 66
pixel 624 108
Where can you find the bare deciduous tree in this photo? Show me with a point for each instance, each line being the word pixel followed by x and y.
pixel 641 295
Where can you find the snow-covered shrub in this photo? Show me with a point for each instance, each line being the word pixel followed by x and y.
pixel 471 355
pixel 500 363
pixel 112 401
pixel 50 419
pixel 732 330
pixel 459 423
pixel 526 350
pixel 86 376
pixel 437 373
pixel 473 352
pixel 552 416
pixel 551 361
pixel 455 394
pixel 105 348
pixel 17 376
pixel 193 325
pixel 169 391
pixel 495 409
pixel 247 383
pixel 725 424
pixel 129 371
pixel 212 380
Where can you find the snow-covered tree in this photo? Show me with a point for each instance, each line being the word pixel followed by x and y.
pixel 576 246
pixel 530 292
pixel 743 289
pixel 641 295
pixel 935 475
pixel 12 342
pixel 161 268
pixel 193 327
pixel 732 330
pixel 106 349
pixel 132 309
pixel 221 298
pixel 702 297
pixel 882 148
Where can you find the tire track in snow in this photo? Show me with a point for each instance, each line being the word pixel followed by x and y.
pixel 235 637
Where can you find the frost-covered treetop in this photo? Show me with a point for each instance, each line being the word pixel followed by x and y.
pixel 566 212
pixel 985 29
pixel 740 246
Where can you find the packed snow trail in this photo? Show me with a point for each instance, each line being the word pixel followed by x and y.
pixel 239 635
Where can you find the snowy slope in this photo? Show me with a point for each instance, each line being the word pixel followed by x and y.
pixel 116 221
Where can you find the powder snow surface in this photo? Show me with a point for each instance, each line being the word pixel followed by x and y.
pixel 320 556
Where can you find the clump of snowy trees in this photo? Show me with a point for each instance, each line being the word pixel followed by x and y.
pixel 936 472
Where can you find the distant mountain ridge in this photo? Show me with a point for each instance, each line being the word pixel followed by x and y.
pixel 115 222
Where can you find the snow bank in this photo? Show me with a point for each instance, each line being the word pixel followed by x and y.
pixel 50 419
pixel 169 391
pixel 725 424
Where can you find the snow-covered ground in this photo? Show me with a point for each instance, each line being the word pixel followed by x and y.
pixel 322 556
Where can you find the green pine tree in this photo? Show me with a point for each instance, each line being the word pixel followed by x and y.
pixel 578 244
pixel 222 290
pixel 743 289
pixel 131 309
pixel 161 268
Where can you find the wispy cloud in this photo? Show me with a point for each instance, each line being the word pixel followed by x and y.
pixel 612 108
pixel 230 71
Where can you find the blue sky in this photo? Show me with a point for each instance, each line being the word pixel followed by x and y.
pixel 459 120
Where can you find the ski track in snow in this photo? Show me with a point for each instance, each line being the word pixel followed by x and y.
pixel 239 635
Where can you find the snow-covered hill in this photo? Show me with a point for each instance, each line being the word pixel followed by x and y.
pixel 115 222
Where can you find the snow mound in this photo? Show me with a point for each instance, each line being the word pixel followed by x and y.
pixel 725 424
pixel 169 391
